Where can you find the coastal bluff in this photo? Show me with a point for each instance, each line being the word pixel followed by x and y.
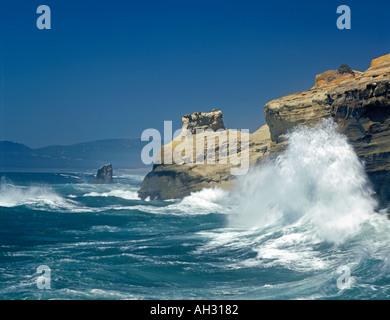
pixel 172 180
pixel 359 102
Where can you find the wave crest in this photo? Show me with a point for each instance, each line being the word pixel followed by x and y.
pixel 36 197
pixel 319 183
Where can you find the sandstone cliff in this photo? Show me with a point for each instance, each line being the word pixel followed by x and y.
pixel 168 181
pixel 358 101
pixel 203 120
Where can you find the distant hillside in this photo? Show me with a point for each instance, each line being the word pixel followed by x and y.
pixel 122 153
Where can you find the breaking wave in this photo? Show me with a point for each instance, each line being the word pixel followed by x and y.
pixel 282 232
pixel 12 196
pixel 308 210
pixel 124 194
pixel 319 184
pixel 38 198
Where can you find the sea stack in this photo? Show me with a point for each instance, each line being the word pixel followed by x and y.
pixel 172 181
pixel 104 175
pixel 359 102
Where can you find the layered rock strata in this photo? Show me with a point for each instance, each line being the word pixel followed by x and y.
pixel 202 167
pixel 358 101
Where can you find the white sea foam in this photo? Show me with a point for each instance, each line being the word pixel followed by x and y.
pixel 98 294
pixel 38 198
pixel 319 183
pixel 118 193
pixel 203 202
pixel 316 193
pixel 69 176
pixel 11 195
pixel 105 228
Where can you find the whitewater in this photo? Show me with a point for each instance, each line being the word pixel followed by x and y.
pixel 288 230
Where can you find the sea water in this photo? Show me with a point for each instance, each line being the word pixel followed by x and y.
pixel 288 230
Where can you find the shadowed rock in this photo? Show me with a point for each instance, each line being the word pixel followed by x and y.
pixel 104 175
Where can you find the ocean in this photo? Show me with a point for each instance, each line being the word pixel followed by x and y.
pixel 304 226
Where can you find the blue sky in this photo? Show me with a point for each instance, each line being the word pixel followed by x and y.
pixel 110 69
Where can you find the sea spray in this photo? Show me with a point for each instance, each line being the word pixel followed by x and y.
pixel 319 182
pixel 12 195
pixel 186 244
pixel 37 197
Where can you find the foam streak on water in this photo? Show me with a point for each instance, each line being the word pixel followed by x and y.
pixel 281 233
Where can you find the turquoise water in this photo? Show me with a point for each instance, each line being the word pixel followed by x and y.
pixel 101 242
pixel 305 226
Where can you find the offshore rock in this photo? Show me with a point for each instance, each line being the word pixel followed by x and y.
pixel 104 175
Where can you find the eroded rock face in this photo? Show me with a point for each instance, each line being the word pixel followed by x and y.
pixel 333 77
pixel 104 175
pixel 381 60
pixel 203 121
pixel 359 103
pixel 171 180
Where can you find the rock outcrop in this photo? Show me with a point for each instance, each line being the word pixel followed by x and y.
pixel 333 77
pixel 104 175
pixel 358 101
pixel 172 180
pixel 203 121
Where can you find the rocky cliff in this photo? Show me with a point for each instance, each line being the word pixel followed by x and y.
pixel 358 101
pixel 172 180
